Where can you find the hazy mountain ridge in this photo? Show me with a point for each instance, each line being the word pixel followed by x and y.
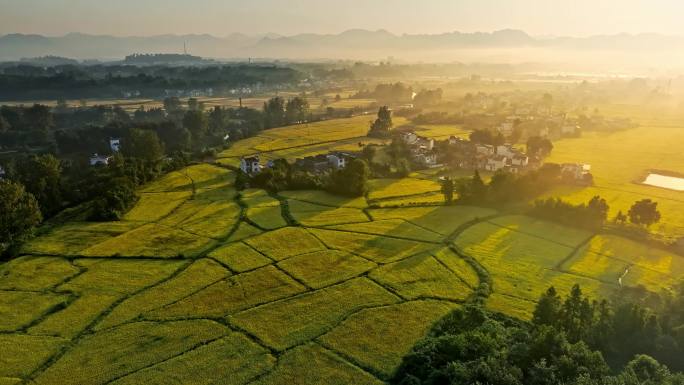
pixel 352 44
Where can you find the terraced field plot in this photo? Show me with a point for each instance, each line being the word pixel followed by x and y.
pixel 618 260
pixel 523 261
pixel 219 289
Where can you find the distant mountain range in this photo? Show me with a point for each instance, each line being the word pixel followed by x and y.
pixel 352 44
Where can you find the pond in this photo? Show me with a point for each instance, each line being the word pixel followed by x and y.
pixel 669 182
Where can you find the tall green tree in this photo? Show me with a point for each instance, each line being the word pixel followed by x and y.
pixel 383 124
pixel 274 112
pixel 296 110
pixel 19 213
pixel 548 308
pixel 144 145
pixel 448 190
pixel 644 212
pixel 41 175
pixel 197 123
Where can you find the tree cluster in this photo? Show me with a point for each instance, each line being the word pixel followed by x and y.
pixel 505 187
pixel 571 341
pixel 591 215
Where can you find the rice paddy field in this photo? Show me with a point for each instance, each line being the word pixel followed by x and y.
pixel 201 284
pixel 620 162
pixel 302 140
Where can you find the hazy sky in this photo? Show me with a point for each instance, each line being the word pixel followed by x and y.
pixel 222 17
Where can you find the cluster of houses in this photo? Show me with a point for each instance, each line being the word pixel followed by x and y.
pixel 422 149
pixel 316 164
pixel 544 124
pixel 474 156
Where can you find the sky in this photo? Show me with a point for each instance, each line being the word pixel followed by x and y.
pixel 287 17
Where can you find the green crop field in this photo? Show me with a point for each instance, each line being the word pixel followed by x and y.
pixel 201 284
pixel 620 161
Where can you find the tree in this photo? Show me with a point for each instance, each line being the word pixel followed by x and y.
pixel 296 110
pixel 172 105
pixel 41 175
pixel 19 213
pixel 597 210
pixel 274 112
pixel 143 144
pixel 118 196
pixel 382 125
pixel 196 122
pixel 39 121
pixel 548 308
pixel 448 190
pixel 644 212
pixel 538 146
pixel 620 218
pixel 173 136
pixel 4 125
pixel 195 105
pixel 351 180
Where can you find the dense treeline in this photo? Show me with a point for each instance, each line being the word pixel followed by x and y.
pixel 505 187
pixel 26 82
pixel 570 341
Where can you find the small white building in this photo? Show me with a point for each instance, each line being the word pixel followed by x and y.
pixel 506 150
pixel 337 160
pixel 506 128
pixel 250 165
pixel 576 170
pixel 115 144
pixel 409 137
pixel 3 173
pixel 496 163
pixel 100 160
pixel 520 160
pixel 485 149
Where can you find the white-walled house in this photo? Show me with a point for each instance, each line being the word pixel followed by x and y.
pixel 496 163
pixel 506 150
pixel 337 160
pixel 576 170
pixel 115 144
pixel 520 160
pixel 485 149
pixel 506 128
pixel 100 160
pixel 250 165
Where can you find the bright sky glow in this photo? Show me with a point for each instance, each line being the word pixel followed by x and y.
pixel 222 17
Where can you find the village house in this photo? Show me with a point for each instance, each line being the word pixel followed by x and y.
pixel 506 150
pixel 115 144
pixel 485 149
pixel 520 160
pixel 413 140
pixel 314 164
pixel 100 160
pixel 250 165
pixel 577 171
pixel 339 159
pixel 3 173
pixel 506 129
pixel 496 163
pixel 425 158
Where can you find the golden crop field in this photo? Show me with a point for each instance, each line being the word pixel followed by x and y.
pixel 620 161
